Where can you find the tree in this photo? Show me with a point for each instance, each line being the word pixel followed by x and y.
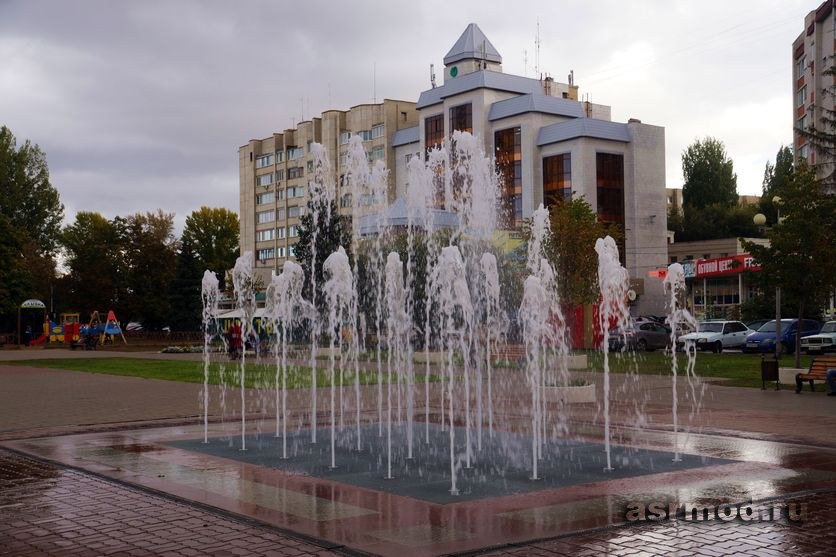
pixel 575 228
pixel 775 179
pixel 185 292
pixel 709 175
pixel 94 256
pixel 14 274
pixel 332 231
pixel 150 258
pixel 799 258
pixel 212 237
pixel 27 198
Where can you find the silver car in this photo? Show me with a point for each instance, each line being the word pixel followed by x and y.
pixel 717 335
pixel 822 342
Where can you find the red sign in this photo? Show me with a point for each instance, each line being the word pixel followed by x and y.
pixel 732 265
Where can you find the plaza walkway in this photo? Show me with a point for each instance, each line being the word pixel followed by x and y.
pixel 47 508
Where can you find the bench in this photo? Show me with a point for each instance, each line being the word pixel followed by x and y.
pixel 817 372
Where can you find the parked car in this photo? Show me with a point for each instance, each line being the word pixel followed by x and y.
pixel 716 335
pixel 822 342
pixel 763 340
pixel 646 335
pixel 757 323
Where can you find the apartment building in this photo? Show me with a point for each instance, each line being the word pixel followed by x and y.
pixel 274 173
pixel 812 55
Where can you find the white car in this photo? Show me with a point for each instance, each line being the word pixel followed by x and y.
pixel 717 335
pixel 822 342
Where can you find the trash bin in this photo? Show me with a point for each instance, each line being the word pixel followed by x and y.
pixel 769 372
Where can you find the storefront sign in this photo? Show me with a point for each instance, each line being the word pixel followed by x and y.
pixel 732 265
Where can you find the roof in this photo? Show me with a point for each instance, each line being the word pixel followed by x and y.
pixel 472 44
pixel 477 80
pixel 535 102
pixel 405 136
pixel 583 127
pixel 397 214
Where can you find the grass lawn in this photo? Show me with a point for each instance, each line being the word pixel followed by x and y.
pixel 257 375
pixel 741 370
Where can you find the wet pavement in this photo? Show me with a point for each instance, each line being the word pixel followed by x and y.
pixel 73 484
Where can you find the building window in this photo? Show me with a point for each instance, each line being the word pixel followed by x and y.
pixel 264 179
pixel 365 135
pixel 378 130
pixel 557 179
pixel 345 200
pixel 377 153
pixel 802 123
pixel 265 254
pixel 279 156
pixel 344 137
pixel 407 158
pixel 264 160
pixel 509 166
pixel 295 172
pixel 279 175
pixel 280 252
pixel 461 118
pixel 609 172
pixel 292 231
pixel 433 131
pixel 294 153
pixel 265 216
pixel 799 66
pixel 282 232
pixel 265 235
pixel 310 167
pixel 310 141
pixel 280 194
pixel 801 96
pixel 280 214
pixel 293 211
pixel 804 152
pixel 263 198
pixel 291 251
pixel 296 191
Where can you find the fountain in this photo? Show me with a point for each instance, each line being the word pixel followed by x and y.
pixel 451 215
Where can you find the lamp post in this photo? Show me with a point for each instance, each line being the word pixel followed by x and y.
pixel 760 221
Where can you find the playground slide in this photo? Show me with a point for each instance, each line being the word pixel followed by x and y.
pixel 38 340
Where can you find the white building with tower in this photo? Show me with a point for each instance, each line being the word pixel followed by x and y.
pixel 548 146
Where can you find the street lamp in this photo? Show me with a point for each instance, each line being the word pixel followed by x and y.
pixel 760 221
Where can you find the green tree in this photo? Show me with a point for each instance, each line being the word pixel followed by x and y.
pixel 184 295
pixel 94 257
pixel 15 279
pixel 332 231
pixel 212 237
pixel 775 179
pixel 575 228
pixel 709 175
pixel 27 198
pixel 799 258
pixel 150 265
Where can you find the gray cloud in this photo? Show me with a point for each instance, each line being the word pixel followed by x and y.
pixel 142 105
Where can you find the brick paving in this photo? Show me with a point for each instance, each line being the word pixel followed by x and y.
pixel 50 510
pixel 47 510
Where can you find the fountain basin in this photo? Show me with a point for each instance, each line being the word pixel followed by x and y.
pixel 571 394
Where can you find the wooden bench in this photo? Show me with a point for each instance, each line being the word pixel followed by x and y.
pixel 817 372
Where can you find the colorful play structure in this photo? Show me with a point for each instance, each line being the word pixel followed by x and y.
pixel 69 329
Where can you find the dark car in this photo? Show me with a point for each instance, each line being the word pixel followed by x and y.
pixel 758 323
pixel 763 340
pixel 647 335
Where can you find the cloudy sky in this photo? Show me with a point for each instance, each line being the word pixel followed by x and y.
pixel 143 104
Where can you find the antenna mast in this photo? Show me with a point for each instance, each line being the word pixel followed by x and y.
pixel 432 75
pixel 537 50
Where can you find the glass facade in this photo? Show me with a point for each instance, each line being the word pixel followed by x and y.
pixel 433 131
pixel 609 173
pixel 461 118
pixel 557 179
pixel 509 165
